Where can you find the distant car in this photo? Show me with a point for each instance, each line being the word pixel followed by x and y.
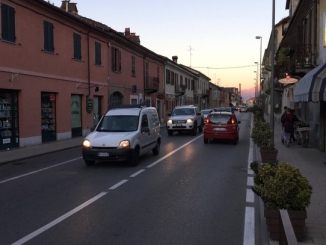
pixel 227 109
pixel 123 134
pixel 243 109
pixel 205 112
pixel 221 126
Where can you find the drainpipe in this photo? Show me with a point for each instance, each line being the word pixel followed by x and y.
pixel 88 67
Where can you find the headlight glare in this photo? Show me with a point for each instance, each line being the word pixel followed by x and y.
pixel 125 144
pixel 86 143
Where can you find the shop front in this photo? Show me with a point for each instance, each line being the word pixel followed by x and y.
pixel 48 113
pixel 9 132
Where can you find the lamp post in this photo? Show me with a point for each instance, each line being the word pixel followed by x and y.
pixel 260 61
pixel 272 71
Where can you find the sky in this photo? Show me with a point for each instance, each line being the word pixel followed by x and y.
pixel 215 37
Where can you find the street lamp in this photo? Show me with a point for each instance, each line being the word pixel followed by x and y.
pixel 260 61
pixel 272 71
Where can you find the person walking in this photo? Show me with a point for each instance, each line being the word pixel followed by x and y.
pixel 288 119
pixel 283 133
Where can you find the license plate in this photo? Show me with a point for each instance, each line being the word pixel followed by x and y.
pixel 103 154
pixel 179 125
pixel 219 129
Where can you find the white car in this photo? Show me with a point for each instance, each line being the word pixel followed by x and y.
pixel 123 134
pixel 205 113
pixel 185 118
pixel 243 109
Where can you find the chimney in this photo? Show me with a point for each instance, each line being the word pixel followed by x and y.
pixel 127 32
pixel 69 7
pixel 175 59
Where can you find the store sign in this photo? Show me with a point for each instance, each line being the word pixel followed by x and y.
pixel 6 141
pixel 89 105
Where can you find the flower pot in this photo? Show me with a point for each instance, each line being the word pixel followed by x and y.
pixel 268 155
pixel 297 220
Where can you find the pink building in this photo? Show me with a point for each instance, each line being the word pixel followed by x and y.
pixel 60 71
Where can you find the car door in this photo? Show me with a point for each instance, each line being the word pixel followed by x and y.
pixel 146 136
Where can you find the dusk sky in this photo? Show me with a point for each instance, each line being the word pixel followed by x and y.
pixel 215 37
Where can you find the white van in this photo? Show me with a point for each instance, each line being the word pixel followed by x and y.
pixel 123 134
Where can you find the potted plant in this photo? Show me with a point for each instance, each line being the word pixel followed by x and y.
pixel 261 135
pixel 282 186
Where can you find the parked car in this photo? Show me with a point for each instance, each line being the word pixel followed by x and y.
pixel 221 126
pixel 243 108
pixel 123 134
pixel 205 112
pixel 185 118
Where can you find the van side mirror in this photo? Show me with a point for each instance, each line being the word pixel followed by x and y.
pixel 92 129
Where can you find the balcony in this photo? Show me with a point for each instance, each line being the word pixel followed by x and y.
pixel 304 57
pixel 179 89
pixel 152 84
pixel 205 93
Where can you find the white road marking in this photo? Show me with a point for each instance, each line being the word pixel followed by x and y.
pixel 40 170
pixel 250 181
pixel 249 222
pixel 172 152
pixel 58 220
pixel 249 229
pixel 118 184
pixel 139 172
pixel 250 197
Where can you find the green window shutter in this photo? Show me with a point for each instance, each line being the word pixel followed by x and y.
pixel 98 58
pixel 119 60
pixel 77 46
pixel 8 23
pixel 113 59
pixel 48 36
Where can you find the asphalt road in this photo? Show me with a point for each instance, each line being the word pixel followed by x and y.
pixel 191 193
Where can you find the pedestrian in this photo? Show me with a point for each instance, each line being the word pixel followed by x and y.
pixel 293 139
pixel 288 119
pixel 284 112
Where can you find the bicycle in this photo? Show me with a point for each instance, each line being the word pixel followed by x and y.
pixel 302 135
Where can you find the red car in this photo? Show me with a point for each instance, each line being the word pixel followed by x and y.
pixel 221 126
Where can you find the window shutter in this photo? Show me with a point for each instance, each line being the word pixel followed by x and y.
pixel 8 23
pixel 113 59
pixel 119 60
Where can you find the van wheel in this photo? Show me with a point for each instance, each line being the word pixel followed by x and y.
pixel 156 150
pixel 135 158
pixel 89 163
pixel 170 132
pixel 194 130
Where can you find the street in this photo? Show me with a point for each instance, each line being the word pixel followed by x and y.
pixel 191 193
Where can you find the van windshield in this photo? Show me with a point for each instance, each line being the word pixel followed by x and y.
pixel 118 124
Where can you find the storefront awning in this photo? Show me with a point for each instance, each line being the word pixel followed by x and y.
pixel 312 87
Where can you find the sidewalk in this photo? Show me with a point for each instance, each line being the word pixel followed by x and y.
pixel 17 154
pixel 312 164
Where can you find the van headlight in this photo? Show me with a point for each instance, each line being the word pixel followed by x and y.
pixel 87 144
pixel 169 121
pixel 125 144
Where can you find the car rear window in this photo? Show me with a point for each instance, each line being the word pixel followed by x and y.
pixel 219 118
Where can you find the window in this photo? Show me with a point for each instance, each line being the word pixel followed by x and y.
pixel 48 37
pixel 133 66
pixel 8 23
pixel 168 76
pixel 116 60
pixel 147 71
pixel 158 73
pixel 98 59
pixel 172 78
pixel 77 47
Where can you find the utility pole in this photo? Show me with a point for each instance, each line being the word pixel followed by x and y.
pixel 190 49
